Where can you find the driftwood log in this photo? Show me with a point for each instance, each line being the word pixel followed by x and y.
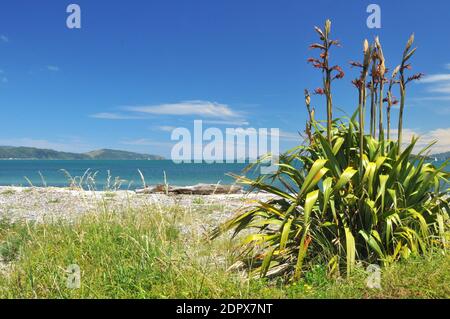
pixel 199 189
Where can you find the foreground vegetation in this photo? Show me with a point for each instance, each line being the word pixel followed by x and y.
pixel 144 254
pixel 347 196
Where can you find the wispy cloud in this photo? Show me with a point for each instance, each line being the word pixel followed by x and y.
pixel 289 136
pixel 435 78
pixel 4 38
pixel 431 98
pixel 439 86
pixel 146 142
pixel 53 68
pixel 197 107
pixel 441 136
pixel 237 122
pixel 444 88
pixel 116 116
pixel 281 134
pixel 166 128
pixel 212 112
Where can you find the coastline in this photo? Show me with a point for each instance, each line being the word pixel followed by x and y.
pixel 49 204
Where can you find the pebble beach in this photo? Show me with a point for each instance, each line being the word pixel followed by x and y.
pixel 52 203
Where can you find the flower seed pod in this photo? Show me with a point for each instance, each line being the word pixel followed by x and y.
pixel 366 46
pixel 307 98
pixel 395 72
pixel 327 27
pixel 410 42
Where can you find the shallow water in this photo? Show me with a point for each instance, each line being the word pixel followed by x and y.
pixel 13 172
pixel 16 172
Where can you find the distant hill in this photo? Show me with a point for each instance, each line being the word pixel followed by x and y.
pixel 107 154
pixel 441 156
pixel 11 152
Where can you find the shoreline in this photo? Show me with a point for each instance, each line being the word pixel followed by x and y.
pixel 43 204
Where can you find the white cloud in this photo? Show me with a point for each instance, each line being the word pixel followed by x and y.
pixel 289 136
pixel 441 136
pixel 115 116
pixel 53 68
pixel 431 98
pixel 4 38
pixel 282 135
pixel 146 142
pixel 237 122
pixel 439 86
pixel 197 107
pixel 434 78
pixel 166 128
pixel 440 89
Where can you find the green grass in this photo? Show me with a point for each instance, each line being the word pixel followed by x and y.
pixel 198 201
pixel 141 254
pixel 8 192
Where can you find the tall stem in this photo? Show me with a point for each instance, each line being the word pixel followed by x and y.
pixel 400 116
pixel 389 121
pixel 372 108
pixel 374 115
pixel 361 131
pixel 381 136
pixel 329 103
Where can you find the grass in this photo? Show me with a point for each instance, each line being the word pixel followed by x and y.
pixel 8 192
pixel 142 254
pixel 198 201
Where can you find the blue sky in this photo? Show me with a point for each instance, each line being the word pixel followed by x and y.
pixel 137 68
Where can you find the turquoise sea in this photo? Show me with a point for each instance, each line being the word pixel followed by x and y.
pixel 16 172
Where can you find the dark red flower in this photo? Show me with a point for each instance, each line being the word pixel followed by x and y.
pixel 356 64
pixel 340 74
pixel 317 46
pixel 313 60
pixel 319 91
pixel 358 83
pixel 416 76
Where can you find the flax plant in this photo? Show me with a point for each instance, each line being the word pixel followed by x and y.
pixel 323 209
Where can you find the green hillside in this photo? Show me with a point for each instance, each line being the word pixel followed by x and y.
pixel 11 152
pixel 108 154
